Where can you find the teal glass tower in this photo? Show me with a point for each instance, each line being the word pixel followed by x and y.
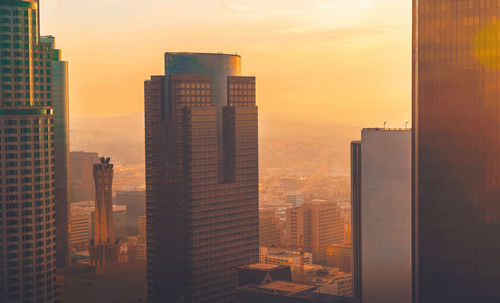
pixel 27 205
pixel 60 104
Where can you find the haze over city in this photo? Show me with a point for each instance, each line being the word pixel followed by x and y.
pixel 319 61
pixel 230 151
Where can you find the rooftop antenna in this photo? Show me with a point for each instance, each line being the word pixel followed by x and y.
pixel 406 124
pixel 385 124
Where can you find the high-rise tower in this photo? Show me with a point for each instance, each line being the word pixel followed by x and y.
pixel 381 215
pixel 201 177
pixel 27 231
pixel 60 103
pixel 456 160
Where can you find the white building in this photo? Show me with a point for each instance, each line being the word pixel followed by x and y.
pixel 382 215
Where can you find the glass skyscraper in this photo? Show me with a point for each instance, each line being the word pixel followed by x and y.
pixel 201 178
pixel 456 160
pixel 27 207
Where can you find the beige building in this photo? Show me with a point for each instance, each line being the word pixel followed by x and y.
pixel 283 256
pixel 314 226
pixel 79 229
pixel 269 228
pixel 340 256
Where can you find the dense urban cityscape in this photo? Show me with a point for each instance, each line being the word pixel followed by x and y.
pixel 204 198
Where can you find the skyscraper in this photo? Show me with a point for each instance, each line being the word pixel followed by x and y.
pixel 60 103
pixel 27 266
pixel 456 110
pixel 381 189
pixel 201 177
pixel 82 179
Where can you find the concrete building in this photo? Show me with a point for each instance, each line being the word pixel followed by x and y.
pixel 28 204
pixel 340 256
pixel 80 229
pixel 103 250
pixel 382 200
pixel 201 177
pixel 269 228
pixel 119 218
pixel 284 256
pixel 141 247
pixel 313 226
pixel 82 179
pixel 135 201
pixel 295 199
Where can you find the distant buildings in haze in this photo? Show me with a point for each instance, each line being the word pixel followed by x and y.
pixel 135 201
pixel 82 179
pixel 295 199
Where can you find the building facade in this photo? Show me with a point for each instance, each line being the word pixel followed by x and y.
pixel 79 236
pixel 340 256
pixel 82 179
pixel 27 252
pixel 456 87
pixel 295 199
pixel 201 177
pixel 381 174
pixel 269 228
pixel 314 226
pixel 135 200
pixel 60 103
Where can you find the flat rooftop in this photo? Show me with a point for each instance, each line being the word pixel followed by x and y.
pixel 289 287
pixel 263 266
pixel 297 291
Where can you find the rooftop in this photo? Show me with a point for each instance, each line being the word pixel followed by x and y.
pixel 289 287
pixel 204 54
pixel 387 129
pixel 263 266
pixel 302 292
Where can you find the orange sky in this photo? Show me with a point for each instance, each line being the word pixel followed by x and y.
pixel 340 61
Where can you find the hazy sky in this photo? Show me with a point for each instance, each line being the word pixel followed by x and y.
pixel 341 61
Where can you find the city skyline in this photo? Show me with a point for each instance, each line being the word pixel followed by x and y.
pixel 344 44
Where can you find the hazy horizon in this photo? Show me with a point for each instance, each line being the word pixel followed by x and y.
pixel 315 60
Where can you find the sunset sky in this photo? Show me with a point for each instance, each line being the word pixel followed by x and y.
pixel 336 61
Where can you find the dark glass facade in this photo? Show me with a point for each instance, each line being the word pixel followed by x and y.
pixel 456 160
pixel 201 178
pixel 27 196
pixel 356 217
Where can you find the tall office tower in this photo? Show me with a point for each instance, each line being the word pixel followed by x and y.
pixel 201 177
pixel 27 252
pixel 269 228
pixel 381 192
pixel 103 250
pixel 295 199
pixel 135 200
pixel 456 88
pixel 60 103
pixel 82 178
